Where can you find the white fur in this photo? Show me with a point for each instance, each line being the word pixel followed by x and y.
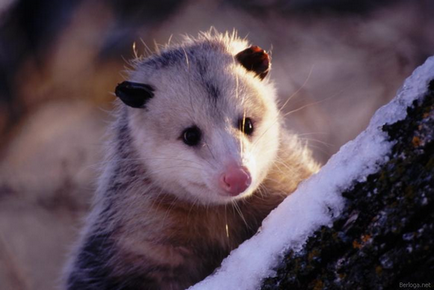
pixel 181 101
pixel 159 201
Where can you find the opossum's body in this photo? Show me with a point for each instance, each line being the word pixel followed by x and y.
pixel 197 161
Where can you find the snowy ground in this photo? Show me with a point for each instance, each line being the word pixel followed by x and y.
pixel 289 226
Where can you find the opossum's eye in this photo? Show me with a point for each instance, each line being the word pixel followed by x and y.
pixel 134 94
pixel 246 126
pixel 255 59
pixel 192 136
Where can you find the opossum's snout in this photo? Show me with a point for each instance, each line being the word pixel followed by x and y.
pixel 235 180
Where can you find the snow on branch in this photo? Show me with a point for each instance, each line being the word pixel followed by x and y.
pixel 362 211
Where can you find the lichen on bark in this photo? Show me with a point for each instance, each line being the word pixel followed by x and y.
pixel 384 238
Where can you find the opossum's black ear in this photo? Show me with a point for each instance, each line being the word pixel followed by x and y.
pixel 134 94
pixel 255 59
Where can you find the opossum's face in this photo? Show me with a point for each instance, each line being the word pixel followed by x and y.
pixel 207 127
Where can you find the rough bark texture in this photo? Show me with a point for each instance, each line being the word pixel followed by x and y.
pixel 384 239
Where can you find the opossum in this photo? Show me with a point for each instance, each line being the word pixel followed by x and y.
pixel 198 158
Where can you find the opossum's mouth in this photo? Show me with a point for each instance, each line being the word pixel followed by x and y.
pixel 234 182
pixel 225 198
pixel 205 194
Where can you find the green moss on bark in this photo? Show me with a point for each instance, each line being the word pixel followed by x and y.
pixel 385 236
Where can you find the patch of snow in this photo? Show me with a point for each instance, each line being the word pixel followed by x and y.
pixel 318 200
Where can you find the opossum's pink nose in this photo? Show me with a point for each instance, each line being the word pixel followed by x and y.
pixel 235 180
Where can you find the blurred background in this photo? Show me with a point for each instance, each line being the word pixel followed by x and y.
pixel 338 61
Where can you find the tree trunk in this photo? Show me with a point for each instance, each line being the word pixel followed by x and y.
pixel 384 238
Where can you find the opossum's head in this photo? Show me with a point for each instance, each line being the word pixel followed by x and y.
pixel 204 119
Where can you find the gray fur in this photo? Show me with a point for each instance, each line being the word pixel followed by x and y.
pixel 159 220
